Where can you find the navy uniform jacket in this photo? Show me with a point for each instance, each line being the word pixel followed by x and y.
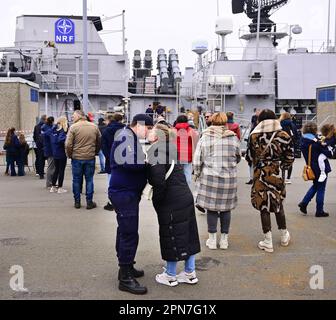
pixel 128 167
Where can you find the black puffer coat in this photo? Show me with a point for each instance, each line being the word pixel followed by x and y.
pixel 174 204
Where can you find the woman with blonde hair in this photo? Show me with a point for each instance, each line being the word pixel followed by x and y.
pixel 58 138
pixel 215 166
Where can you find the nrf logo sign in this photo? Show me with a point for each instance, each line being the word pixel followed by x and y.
pixel 64 31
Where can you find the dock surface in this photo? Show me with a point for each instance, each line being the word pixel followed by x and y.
pixel 69 254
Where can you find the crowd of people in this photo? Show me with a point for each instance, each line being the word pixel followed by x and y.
pixel 177 155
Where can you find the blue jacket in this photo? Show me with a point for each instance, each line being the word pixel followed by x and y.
pixel 128 168
pixel 46 132
pixel 13 149
pixel 108 137
pixel 290 127
pixel 58 138
pixel 317 150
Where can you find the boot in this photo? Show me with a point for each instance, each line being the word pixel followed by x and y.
pixel 109 207
pixel 136 273
pixel 303 208
pixel 224 242
pixel 322 214
pixel 91 205
pixel 211 243
pixel 267 244
pixel 285 238
pixel 128 283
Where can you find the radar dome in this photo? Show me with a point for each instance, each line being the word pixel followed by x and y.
pixel 200 46
pixel 224 26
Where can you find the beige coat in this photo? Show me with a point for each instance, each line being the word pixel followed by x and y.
pixel 83 141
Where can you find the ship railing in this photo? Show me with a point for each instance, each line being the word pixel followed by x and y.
pixel 238 86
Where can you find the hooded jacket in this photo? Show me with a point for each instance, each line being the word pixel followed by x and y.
pixel 58 138
pixel 186 139
pixel 215 167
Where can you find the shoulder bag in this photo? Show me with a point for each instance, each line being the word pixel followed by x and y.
pixel 308 173
pixel 148 191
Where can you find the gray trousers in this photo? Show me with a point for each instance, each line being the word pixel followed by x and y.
pixel 225 220
pixel 50 171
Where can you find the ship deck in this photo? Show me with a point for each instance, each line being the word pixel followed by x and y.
pixel 69 254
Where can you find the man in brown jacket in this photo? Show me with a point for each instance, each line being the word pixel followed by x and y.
pixel 82 145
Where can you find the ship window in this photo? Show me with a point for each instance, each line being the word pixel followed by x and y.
pixel 327 95
pixel 67 65
pixel 93 65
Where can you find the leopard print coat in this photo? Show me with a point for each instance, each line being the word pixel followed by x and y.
pixel 268 190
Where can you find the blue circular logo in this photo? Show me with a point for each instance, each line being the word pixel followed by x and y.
pixel 64 26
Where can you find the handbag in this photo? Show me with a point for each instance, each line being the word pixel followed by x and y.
pixel 308 173
pixel 148 191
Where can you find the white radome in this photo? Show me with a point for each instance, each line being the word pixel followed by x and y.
pixel 224 26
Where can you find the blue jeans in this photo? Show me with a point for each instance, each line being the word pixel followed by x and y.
pixel 189 266
pixel 101 160
pixel 82 168
pixel 317 189
pixel 187 168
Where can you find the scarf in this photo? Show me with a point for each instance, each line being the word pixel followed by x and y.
pixel 267 126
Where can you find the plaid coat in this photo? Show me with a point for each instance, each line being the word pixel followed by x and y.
pixel 215 166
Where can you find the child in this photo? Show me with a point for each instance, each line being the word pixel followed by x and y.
pixel 328 139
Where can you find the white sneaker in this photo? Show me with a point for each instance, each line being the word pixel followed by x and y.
pixel 267 244
pixel 61 190
pixel 322 177
pixel 288 181
pixel 189 278
pixel 224 242
pixel 211 243
pixel 53 190
pixel 285 238
pixel 166 279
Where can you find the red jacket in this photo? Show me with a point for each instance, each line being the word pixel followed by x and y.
pixel 234 127
pixel 186 140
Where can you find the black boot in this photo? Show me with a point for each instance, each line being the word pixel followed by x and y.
pixel 322 214
pixel 303 208
pixel 91 205
pixel 136 273
pixel 109 207
pixel 128 283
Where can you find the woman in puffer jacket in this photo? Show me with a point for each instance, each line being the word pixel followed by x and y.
pixel 174 205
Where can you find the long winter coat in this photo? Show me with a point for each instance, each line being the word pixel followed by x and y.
pixel 174 204
pixel 268 190
pixel 215 167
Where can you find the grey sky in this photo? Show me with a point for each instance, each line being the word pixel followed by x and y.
pixel 152 24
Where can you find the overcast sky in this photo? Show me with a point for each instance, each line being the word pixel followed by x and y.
pixel 154 24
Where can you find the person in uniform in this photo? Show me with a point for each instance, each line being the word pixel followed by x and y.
pixel 128 180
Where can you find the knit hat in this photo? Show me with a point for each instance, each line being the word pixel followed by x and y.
pixel 143 118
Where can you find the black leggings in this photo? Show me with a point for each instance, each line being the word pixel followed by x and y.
pixel 60 165
pixel 266 220
pixel 289 174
